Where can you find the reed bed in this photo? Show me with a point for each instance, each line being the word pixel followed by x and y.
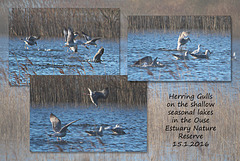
pixel 49 22
pixel 206 23
pixel 53 90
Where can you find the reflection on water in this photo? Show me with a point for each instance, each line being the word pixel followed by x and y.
pixel 163 44
pixel 49 57
pixel 133 120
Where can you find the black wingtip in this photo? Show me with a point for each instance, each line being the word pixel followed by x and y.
pixel 83 33
pixel 52 115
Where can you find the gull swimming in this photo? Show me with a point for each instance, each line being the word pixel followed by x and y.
pixel 56 125
pixel 111 127
pixel 147 61
pixel 182 39
pixel 118 130
pixel 202 56
pixel 96 133
pixel 181 57
pixel 31 40
pixel 70 36
pixel 97 57
pixel 95 95
pixel 198 50
pixel 89 40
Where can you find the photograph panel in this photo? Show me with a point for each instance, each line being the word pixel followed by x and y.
pixel 179 48
pixel 62 41
pixel 87 114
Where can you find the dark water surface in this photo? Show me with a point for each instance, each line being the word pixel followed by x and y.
pixel 162 45
pixel 133 120
pixel 49 57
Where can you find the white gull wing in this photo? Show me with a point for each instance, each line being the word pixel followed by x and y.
pixel 70 36
pixel 87 37
pixel 56 123
pixel 94 96
pixel 65 34
pixel 97 57
pixel 32 38
pixel 64 128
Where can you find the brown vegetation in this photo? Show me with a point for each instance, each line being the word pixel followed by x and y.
pixel 212 23
pixel 49 22
pixel 52 90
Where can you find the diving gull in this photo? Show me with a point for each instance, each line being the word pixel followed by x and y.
pixel 97 57
pixel 95 95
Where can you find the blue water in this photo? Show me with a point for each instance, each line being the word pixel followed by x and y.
pixel 49 57
pixel 216 68
pixel 133 120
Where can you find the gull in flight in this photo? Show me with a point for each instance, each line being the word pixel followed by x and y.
pixel 95 95
pixel 97 57
pixel 31 40
pixel 202 56
pixel 181 57
pixel 89 40
pixel 59 131
pixel 96 133
pixel 70 36
pixel 182 39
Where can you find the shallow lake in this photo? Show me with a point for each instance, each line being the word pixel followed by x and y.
pixel 163 44
pixel 49 57
pixel 133 120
